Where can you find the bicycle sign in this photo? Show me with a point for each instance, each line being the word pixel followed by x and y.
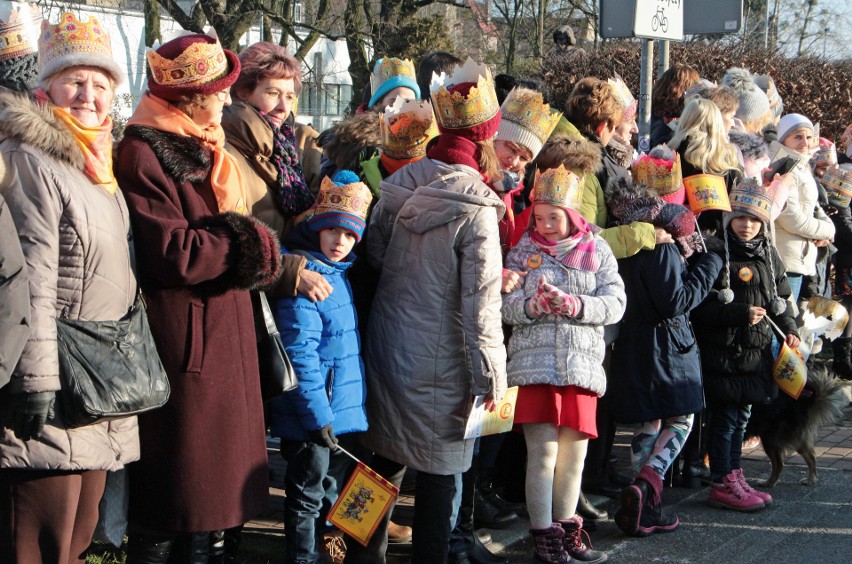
pixel 659 19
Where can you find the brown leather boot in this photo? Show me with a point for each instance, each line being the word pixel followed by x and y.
pixel 398 534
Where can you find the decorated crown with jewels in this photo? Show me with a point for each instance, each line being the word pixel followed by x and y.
pixel 70 36
pixel 199 63
pixel 351 199
pixel 558 187
pixel 526 108
pixel 19 35
pixel 454 110
pixel 388 68
pixel 407 126
pixel 662 175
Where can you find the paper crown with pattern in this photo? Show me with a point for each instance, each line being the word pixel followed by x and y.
pixel 662 175
pixel 558 187
pixel 825 156
pixel 71 43
pixel 454 110
pixel 751 198
pixel 199 63
pixel 340 204
pixel 19 35
pixel 624 97
pixel 527 120
pixel 705 192
pixel 390 73
pixel 839 181
pixel 407 127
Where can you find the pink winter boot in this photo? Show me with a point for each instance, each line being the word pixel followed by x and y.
pixel 731 495
pixel 574 544
pixel 764 497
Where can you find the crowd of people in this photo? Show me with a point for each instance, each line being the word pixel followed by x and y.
pixel 454 237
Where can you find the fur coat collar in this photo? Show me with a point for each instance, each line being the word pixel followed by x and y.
pixel 23 120
pixel 183 158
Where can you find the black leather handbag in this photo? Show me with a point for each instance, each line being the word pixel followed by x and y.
pixel 109 369
pixel 276 371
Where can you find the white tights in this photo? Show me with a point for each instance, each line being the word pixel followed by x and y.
pixel 555 457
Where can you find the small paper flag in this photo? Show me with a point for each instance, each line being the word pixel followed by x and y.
pixel 790 372
pixel 362 503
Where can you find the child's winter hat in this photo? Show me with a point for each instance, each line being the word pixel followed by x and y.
pixel 73 43
pixel 526 119
pixel 623 96
pixel 343 201
pixel 19 32
pixel 390 73
pixel 790 123
pixel 466 102
pixel 753 101
pixel 660 170
pixel 751 198
pixel 765 83
pixel 407 126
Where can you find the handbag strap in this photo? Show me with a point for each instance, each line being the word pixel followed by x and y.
pixel 268 318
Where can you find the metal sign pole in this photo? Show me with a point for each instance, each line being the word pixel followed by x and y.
pixel 645 88
pixel 663 58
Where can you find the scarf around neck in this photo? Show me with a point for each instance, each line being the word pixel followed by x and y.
pixel 292 195
pixel 577 251
pixel 225 176
pixel 393 165
pixel 95 143
pixel 452 149
pixel 621 151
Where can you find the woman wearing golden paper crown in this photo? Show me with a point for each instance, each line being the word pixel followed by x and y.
pixel 74 228
pixel 434 236
pixel 204 465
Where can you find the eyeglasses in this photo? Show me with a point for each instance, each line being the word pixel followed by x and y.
pixel 223 95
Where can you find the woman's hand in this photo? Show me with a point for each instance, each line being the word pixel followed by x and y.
pixel 792 341
pixel 821 242
pixel 313 285
pixel 755 315
pixel 512 280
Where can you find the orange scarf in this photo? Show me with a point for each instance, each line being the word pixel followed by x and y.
pixel 94 142
pixel 393 165
pixel 225 177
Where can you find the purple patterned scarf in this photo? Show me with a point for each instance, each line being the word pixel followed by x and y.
pixel 292 195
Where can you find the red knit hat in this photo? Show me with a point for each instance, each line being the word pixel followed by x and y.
pixel 191 64
pixel 480 132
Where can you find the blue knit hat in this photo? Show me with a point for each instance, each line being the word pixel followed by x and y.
pixel 343 201
pixel 390 73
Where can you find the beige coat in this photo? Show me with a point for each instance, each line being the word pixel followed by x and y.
pixel 75 238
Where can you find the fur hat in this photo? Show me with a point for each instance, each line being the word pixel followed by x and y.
pixel 19 46
pixel 342 201
pixel 390 73
pixel 72 43
pixel 790 123
pixel 526 119
pixel 753 101
pixel 189 65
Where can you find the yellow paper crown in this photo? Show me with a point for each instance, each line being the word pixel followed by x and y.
pixel 457 111
pixel 558 187
pixel 19 35
pixel 199 63
pixel 390 67
pixel 407 126
pixel 839 181
pixel 753 199
pixel 706 192
pixel 622 93
pixel 662 175
pixel 352 199
pixel 526 108
pixel 71 37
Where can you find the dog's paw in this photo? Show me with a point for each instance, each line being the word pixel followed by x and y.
pixel 809 481
pixel 766 484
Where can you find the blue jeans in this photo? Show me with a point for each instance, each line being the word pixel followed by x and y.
pixel 312 480
pixel 727 428
pixel 795 281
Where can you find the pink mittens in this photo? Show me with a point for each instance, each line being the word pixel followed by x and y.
pixel 551 300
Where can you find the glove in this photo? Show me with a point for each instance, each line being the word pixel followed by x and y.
pixel 26 413
pixel 538 306
pixel 560 302
pixel 324 437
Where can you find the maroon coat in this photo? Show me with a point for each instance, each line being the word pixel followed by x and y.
pixel 203 465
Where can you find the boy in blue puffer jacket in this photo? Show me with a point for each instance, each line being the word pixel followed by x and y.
pixel 322 341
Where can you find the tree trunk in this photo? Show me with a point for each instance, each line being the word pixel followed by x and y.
pixel 359 63
pixel 803 34
pixel 151 11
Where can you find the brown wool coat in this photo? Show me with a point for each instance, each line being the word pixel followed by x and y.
pixel 204 464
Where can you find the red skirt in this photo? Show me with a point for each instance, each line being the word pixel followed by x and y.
pixel 563 406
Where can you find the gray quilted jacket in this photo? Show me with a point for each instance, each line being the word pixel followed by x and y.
pixel 435 337
pixel 554 349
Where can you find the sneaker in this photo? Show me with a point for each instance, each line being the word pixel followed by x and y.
pixel 653 521
pixel 731 495
pixel 575 545
pixel 764 497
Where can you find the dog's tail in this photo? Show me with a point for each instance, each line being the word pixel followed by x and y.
pixel 827 402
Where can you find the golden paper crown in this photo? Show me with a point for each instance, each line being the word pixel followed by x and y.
pixel 839 181
pixel 663 176
pixel 706 192
pixel 70 38
pixel 351 199
pixel 390 67
pixel 457 111
pixel 19 35
pixel 526 108
pixel 753 199
pixel 825 156
pixel 558 187
pixel 622 93
pixel 199 63
pixel 407 127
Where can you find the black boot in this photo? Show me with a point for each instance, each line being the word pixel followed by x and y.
pixel 148 549
pixel 843 358
pixel 489 516
pixel 479 554
pixel 653 520
pixel 590 513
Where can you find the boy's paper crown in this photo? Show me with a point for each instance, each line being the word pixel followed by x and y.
pixel 342 202
pixel 527 120
pixel 558 187
pixel 390 73
pixel 659 170
pixel 407 127
pixel 751 198
pixel 455 110
pixel 19 35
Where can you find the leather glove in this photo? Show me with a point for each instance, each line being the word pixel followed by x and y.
pixel 560 302
pixel 324 437
pixel 26 413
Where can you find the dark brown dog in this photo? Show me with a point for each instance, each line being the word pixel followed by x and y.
pixel 787 425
